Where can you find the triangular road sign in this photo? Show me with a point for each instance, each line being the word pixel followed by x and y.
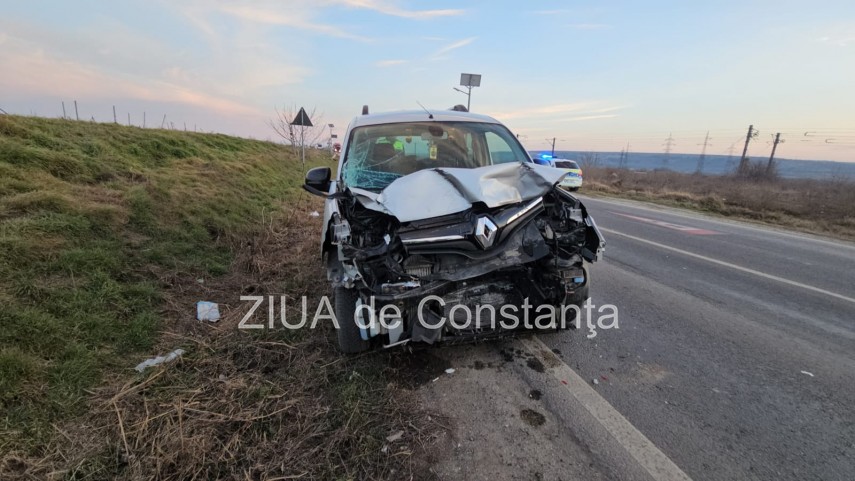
pixel 302 118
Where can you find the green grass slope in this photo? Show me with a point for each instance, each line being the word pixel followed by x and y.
pixel 91 216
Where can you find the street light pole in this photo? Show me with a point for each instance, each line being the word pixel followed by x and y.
pixel 469 80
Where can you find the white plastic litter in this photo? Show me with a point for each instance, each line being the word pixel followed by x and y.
pixel 394 437
pixel 808 373
pixel 449 370
pixel 159 360
pixel 314 214
pixel 207 311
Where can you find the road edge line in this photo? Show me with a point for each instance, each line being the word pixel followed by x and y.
pixel 649 458
pixel 733 266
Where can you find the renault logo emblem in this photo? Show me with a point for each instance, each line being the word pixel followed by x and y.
pixel 485 232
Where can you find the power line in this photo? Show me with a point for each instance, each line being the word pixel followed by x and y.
pixel 669 144
pixel 743 162
pixel 703 154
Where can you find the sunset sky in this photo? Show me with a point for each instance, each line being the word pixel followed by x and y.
pixel 596 75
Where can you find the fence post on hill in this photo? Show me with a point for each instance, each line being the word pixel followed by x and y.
pixel 76 115
pixel 63 110
pixel 115 120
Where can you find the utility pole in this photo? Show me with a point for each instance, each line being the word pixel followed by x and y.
pixel 553 146
pixel 703 154
pixel 76 115
pixel 770 167
pixel 63 110
pixel 743 162
pixel 669 143
pixel 115 120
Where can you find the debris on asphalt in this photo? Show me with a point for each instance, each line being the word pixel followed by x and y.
pixel 808 373
pixel 395 436
pixel 604 378
pixel 207 311
pixel 595 381
pixel 159 360
pixel 449 370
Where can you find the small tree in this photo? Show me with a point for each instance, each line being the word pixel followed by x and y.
pixel 296 135
pixel 589 159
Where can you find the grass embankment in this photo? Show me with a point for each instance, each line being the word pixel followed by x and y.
pixel 108 235
pixel 812 206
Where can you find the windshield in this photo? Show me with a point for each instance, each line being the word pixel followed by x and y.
pixel 378 154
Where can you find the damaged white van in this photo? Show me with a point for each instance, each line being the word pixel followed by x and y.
pixel 438 227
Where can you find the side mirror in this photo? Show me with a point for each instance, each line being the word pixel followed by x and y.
pixel 318 181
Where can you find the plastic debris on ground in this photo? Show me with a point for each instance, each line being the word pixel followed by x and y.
pixel 314 214
pixel 449 370
pixel 807 373
pixel 395 436
pixel 159 360
pixel 207 311
pixel 596 381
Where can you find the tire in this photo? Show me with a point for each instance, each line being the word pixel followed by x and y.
pixel 349 339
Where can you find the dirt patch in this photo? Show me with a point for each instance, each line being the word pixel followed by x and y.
pixel 532 418
pixel 550 359
pixel 410 370
pixel 478 365
pixel 535 394
pixel 535 364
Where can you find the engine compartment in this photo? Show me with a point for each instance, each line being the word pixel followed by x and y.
pixel 531 251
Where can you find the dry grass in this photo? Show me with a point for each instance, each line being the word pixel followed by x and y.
pixel 273 404
pixel 105 234
pixel 813 206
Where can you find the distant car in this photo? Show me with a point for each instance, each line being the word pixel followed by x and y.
pixel 573 180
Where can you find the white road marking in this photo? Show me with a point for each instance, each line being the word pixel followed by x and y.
pixel 764 228
pixel 642 450
pixel 734 266
pixel 669 225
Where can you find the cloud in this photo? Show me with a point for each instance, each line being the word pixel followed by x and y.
pixel 116 62
pixel 589 26
pixel 557 11
pixel 291 17
pixel 587 117
pixel 548 110
pixel 37 74
pixel 553 113
pixel 391 9
pixel 839 41
pixel 389 63
pixel 453 46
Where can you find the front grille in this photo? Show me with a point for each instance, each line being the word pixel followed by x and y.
pixel 417 266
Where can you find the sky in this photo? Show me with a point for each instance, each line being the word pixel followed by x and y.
pixel 593 75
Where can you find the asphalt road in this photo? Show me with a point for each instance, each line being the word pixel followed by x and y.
pixel 735 353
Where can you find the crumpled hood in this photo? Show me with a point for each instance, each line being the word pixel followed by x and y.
pixel 443 191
